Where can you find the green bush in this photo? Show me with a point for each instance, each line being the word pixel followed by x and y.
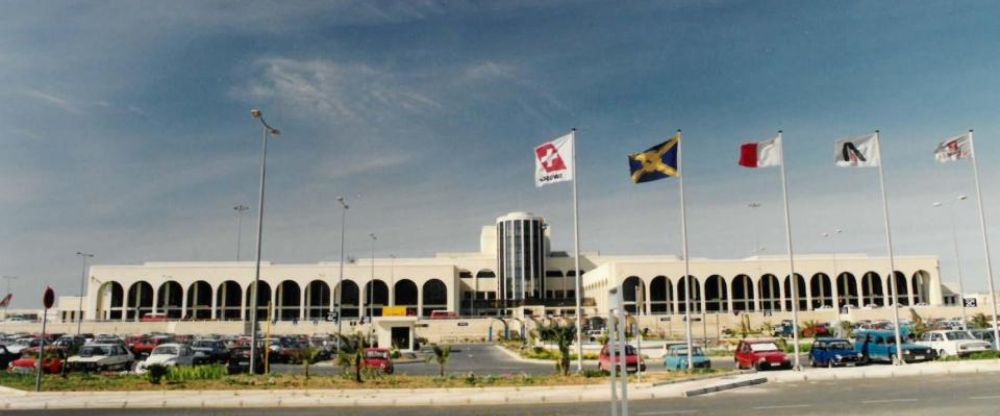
pixel 591 373
pixel 204 372
pixel 155 373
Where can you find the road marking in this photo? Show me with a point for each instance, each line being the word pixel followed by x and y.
pixel 984 397
pixel 783 406
pixel 888 401
pixel 669 412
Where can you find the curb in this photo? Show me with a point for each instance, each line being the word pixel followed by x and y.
pixel 725 386
pixel 518 357
pixel 705 377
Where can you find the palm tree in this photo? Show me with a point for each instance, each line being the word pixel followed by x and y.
pixel 562 335
pixel 919 327
pixel 440 356
pixel 980 321
pixel 351 354
pixel 309 356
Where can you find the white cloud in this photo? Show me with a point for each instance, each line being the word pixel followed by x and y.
pixel 54 100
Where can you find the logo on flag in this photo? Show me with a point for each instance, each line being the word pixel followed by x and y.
pixel 955 148
pixel 761 154
pixel 6 300
pixel 554 161
pixel 857 152
pixel 657 162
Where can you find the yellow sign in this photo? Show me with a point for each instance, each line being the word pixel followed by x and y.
pixel 394 311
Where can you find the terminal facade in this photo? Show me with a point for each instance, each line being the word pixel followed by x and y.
pixel 515 272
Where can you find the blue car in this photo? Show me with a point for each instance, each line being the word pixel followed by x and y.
pixel 833 352
pixel 880 346
pixel 677 355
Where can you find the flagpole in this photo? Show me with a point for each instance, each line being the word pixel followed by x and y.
pixel 892 260
pixel 793 278
pixel 684 252
pixel 576 262
pixel 986 241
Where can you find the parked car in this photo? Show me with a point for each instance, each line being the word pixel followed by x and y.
pixel 760 355
pixel 71 343
pixel 633 362
pixel 169 355
pixel 142 346
pixel 676 358
pixel 984 335
pixel 52 362
pixel 378 359
pixel 833 352
pixel 7 357
pixel 210 351
pixel 102 357
pixel 23 343
pixel 880 346
pixel 952 343
pixel 239 361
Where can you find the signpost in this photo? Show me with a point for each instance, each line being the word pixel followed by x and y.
pixel 48 299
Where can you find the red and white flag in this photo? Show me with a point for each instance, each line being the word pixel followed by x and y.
pixel 554 161
pixel 6 300
pixel 763 154
pixel 955 148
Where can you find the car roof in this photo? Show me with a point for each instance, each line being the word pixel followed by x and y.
pixel 169 344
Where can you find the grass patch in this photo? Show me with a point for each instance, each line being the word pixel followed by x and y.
pixel 985 355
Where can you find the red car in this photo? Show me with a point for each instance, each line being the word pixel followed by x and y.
pixel 760 355
pixel 633 362
pixel 142 346
pixel 55 358
pixel 378 359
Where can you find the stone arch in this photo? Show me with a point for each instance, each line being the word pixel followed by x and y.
pixel 847 290
pixel 871 290
pixel 661 295
pixel 405 294
pixel 169 299
pixel 288 300
pixel 377 298
pixel 769 293
pixel 199 301
pixel 801 287
pixel 904 290
pixel 922 287
pixel 435 296
pixel 110 301
pixel 743 298
pixel 317 300
pixel 263 298
pixel 140 300
pixel 683 293
pixel 228 297
pixel 716 294
pixel 821 289
pixel 349 295
pixel 633 294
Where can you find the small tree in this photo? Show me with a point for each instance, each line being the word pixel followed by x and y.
pixel 309 356
pixel 745 328
pixel 562 335
pixel 919 327
pixel 846 329
pixel 351 354
pixel 980 321
pixel 441 355
pixel 810 328
pixel 767 328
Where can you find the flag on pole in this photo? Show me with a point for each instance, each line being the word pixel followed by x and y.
pixel 761 154
pixel 857 152
pixel 657 162
pixel 554 161
pixel 955 148
pixel 6 300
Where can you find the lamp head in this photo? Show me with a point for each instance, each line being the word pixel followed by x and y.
pixel 936 204
pixel 275 132
pixel 963 197
pixel 255 113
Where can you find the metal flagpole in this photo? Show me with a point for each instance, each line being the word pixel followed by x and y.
pixel 791 259
pixel 892 260
pixel 986 241
pixel 576 262
pixel 684 252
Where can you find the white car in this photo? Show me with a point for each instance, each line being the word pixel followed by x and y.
pixel 951 343
pixel 101 357
pixel 170 355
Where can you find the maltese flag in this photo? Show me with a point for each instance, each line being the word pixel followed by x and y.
pixel 761 154
pixel 554 161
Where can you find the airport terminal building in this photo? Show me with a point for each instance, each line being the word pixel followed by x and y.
pixel 514 272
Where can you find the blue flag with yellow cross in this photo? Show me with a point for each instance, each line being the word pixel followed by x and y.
pixel 657 162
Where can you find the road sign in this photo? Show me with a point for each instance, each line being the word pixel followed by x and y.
pixel 970 302
pixel 49 298
pixel 394 311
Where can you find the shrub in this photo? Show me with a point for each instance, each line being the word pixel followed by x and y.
pixel 155 372
pixel 204 372
pixel 591 373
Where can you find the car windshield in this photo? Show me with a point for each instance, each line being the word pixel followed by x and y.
pixel 684 351
pixel 94 350
pixel 165 350
pixel 376 354
pixel 838 345
pixel 957 335
pixel 204 344
pixel 764 347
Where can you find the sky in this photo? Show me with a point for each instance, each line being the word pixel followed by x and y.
pixel 127 134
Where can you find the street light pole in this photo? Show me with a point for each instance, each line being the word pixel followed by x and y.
pixel 958 259
pixel 83 280
pixel 340 282
pixel 267 129
pixel 371 296
pixel 240 209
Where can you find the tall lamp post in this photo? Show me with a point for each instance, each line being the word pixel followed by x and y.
pixel 836 273
pixel 371 296
pixel 340 281
pixel 240 209
pixel 267 129
pixel 83 280
pixel 958 259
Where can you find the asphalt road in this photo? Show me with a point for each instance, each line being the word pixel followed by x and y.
pixel 967 395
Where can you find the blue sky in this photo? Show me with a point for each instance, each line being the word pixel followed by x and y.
pixel 127 134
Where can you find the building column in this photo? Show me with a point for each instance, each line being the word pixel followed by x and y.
pixel 156 298
pixel 910 294
pixel 243 302
pixel 647 298
pixel 184 300
pixel 835 294
pixel 755 289
pixel 702 302
pixel 420 301
pixel 781 296
pixel 215 304
pixel 886 290
pixel 677 296
pixel 729 297
pixel 809 298
pixel 302 302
